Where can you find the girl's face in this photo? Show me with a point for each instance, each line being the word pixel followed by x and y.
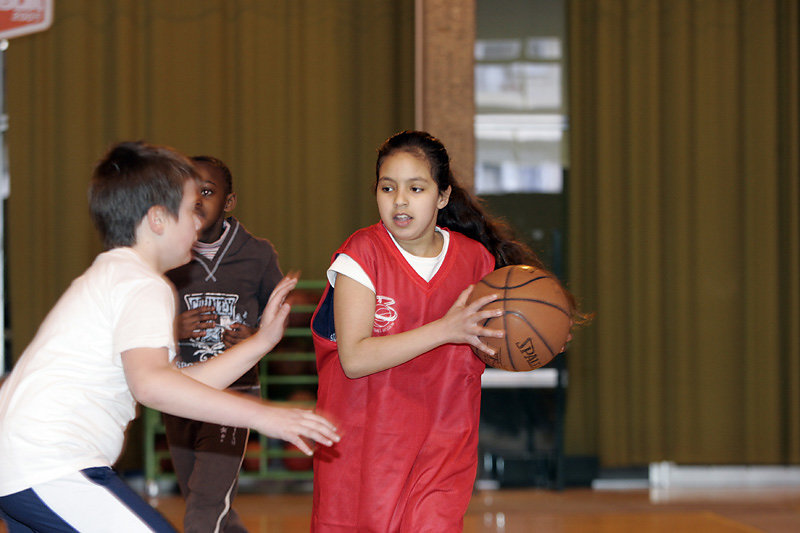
pixel 408 202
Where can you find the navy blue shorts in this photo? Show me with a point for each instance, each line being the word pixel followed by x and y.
pixel 94 499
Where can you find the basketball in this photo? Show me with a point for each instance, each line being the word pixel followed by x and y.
pixel 536 317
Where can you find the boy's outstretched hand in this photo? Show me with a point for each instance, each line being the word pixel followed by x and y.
pixel 276 314
pixel 295 425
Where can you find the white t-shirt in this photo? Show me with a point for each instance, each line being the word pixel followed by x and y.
pixel 426 267
pixel 66 404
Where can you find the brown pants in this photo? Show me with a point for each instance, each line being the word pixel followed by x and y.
pixel 207 459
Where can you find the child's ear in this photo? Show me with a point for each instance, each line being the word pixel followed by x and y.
pixel 230 202
pixel 444 197
pixel 156 219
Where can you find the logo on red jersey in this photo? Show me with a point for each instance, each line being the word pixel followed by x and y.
pixel 385 314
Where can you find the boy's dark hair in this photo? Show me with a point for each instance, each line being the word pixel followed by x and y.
pixel 130 179
pixel 212 161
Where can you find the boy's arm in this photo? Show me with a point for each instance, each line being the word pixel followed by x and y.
pixel 156 383
pixel 231 364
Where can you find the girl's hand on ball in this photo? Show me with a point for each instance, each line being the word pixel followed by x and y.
pixel 482 347
pixel 463 321
pixel 536 317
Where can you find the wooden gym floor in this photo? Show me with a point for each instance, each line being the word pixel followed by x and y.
pixel 568 511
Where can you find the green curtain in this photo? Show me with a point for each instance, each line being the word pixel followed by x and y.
pixel 295 95
pixel 684 232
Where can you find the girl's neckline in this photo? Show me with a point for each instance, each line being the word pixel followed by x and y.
pixel 440 241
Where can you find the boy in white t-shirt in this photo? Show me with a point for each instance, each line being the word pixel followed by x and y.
pixel 109 343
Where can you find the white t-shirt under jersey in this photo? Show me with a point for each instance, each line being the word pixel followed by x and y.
pixel 66 404
pixel 426 267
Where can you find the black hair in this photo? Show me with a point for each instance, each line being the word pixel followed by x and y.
pixel 130 179
pixel 214 162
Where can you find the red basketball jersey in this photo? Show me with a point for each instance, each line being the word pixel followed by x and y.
pixel 408 455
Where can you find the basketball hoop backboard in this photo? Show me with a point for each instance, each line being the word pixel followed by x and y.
pixel 21 17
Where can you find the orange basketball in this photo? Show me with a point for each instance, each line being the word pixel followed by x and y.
pixel 536 317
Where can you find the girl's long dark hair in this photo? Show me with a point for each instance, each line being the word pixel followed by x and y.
pixel 464 212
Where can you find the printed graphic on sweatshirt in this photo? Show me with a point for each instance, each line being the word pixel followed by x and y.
pixel 385 314
pixel 224 306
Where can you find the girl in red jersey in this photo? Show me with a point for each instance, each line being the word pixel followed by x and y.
pixel 392 336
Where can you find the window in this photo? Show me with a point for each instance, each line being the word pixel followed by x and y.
pixel 521 120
